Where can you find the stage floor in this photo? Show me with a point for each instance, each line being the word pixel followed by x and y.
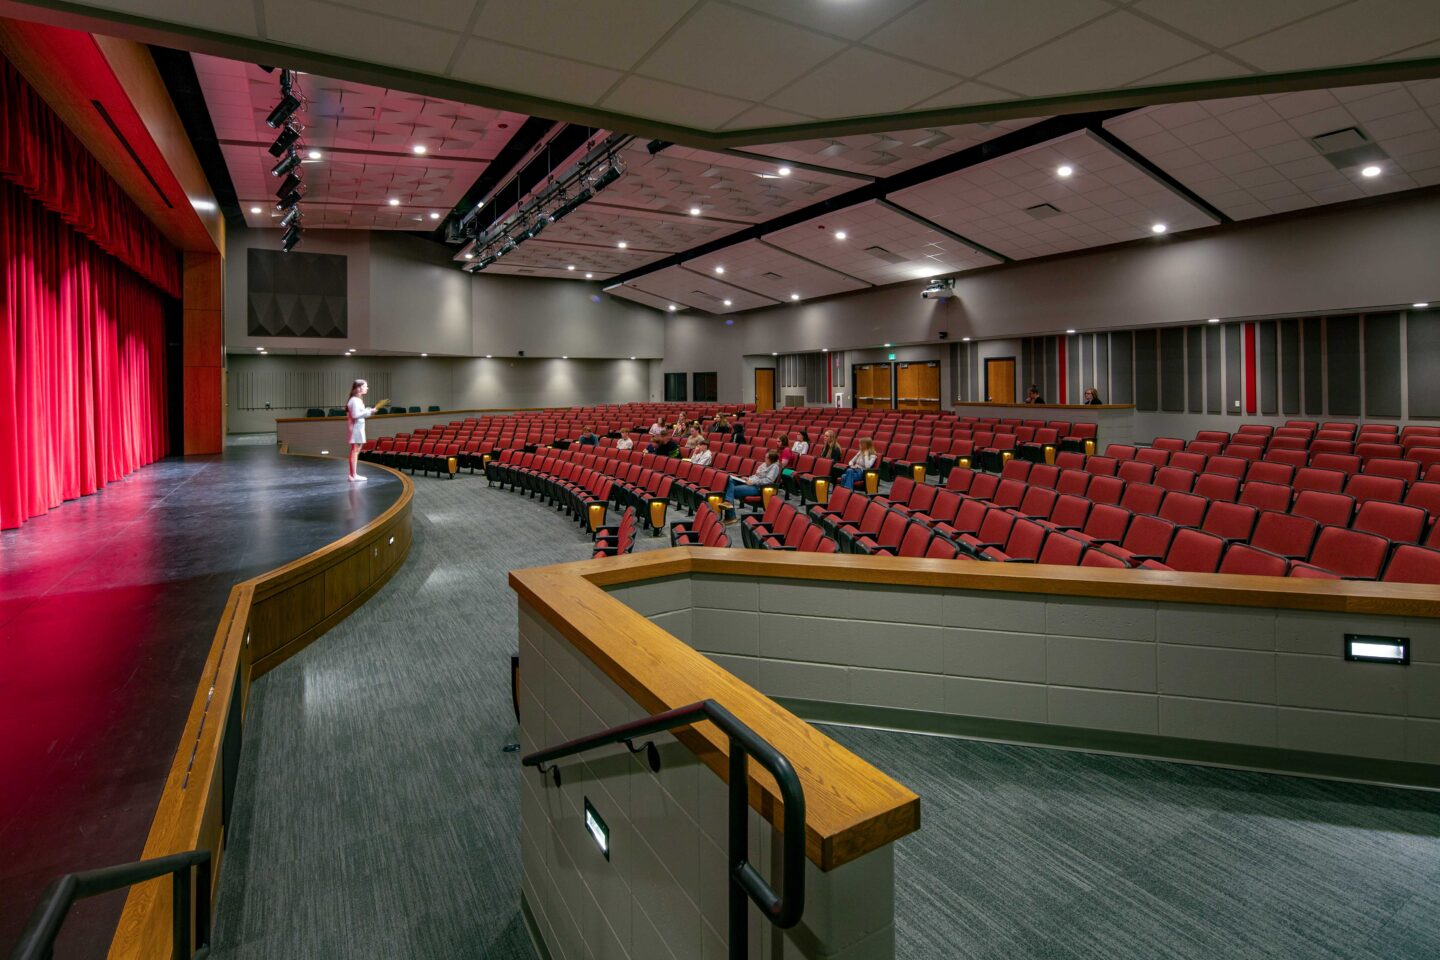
pixel 108 605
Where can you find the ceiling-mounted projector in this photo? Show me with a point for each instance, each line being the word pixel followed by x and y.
pixel 939 290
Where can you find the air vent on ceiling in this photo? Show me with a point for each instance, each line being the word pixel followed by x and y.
pixel 1338 140
pixel 702 295
pixel 771 276
pixel 833 148
pixel 880 253
pixel 933 138
pixel 1043 211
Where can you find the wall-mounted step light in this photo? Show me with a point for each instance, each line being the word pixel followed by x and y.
pixel 597 828
pixel 1371 649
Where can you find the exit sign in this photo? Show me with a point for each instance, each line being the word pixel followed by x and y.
pixel 892 356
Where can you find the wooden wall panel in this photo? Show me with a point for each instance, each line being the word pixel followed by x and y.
pixel 203 288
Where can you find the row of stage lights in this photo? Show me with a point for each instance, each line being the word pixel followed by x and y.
pixel 554 204
pixel 287 147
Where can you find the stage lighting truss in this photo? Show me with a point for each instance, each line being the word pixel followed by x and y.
pixel 560 197
pixel 288 147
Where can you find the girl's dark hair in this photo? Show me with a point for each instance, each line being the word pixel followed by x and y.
pixel 356 386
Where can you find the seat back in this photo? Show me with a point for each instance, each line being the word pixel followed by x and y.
pixel 1038 502
pixel 1185 460
pixel 1154 456
pixel 1120 451
pixel 1061 550
pixel 1143 498
pixel 1365 487
pixel 941 548
pixel 1015 469
pixel 1170 444
pixel 1284 534
pixel 943 510
pixel 1106 489
pixel 1394 521
pixel 1412 564
pixel 1101 466
pixel 1173 478
pixel 1185 509
pixel 1025 541
pixel 1071 512
pixel 1072 483
pixel 1350 553
pixel 1314 478
pixel 960 479
pixel 1426 495
pixel 1405 470
pixel 1248 560
pixel 892 529
pixel 1344 462
pixel 1233 521
pixel 1107 522
pixel 916 538
pixel 1194 551
pixel 1135 471
pixel 984 485
pixel 1213 486
pixel 1099 558
pixel 1044 475
pixel 1268 471
pixel 970 515
pixel 995 528
pixel 1148 536
pixel 1009 493
pixel 1227 466
pixel 1334 509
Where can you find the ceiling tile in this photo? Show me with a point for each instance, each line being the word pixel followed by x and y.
pixel 766 116
pixel 611 33
pixel 1352 33
pixel 230 17
pixel 640 296
pixel 849 20
pixel 708 50
pixel 1208 67
pixel 1108 52
pixel 973 36
pixel 446 14
pixel 1223 22
pixel 390 41
pixel 861 81
pixel 641 96
pixel 510 68
pixel 964 95
pixel 679 285
pixel 885 154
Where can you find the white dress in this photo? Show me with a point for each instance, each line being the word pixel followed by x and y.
pixel 356 411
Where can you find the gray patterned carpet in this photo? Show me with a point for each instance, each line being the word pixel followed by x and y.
pixel 376 812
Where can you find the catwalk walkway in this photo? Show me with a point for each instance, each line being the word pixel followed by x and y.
pixel 108 605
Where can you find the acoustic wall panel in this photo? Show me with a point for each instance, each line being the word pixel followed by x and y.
pixel 1312 333
pixel 1422 347
pixel 1072 372
pixel 1172 369
pixel 1146 392
pixel 1213 399
pixel 1194 369
pixel 295 294
pixel 1269 367
pixel 1342 363
pixel 1290 367
pixel 1382 365
pixel 1233 382
pixel 1122 368
pixel 1102 367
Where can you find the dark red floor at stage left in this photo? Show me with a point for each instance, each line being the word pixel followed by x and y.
pixel 108 605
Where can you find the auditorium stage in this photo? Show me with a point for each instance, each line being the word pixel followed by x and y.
pixel 108 605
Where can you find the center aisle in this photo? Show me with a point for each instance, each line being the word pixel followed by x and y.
pixel 376 814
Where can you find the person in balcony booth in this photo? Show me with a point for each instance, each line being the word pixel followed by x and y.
pixel 1034 395
pixel 1092 396
pixel 738 488
pixel 865 459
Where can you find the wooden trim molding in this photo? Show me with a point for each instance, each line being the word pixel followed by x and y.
pixel 1046 406
pixel 266 620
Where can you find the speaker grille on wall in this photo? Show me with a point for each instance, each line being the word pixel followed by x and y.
pixel 296 295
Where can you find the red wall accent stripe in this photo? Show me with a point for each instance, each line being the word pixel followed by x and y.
pixel 1250 388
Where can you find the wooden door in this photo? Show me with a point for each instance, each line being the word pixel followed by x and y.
pixel 918 386
pixel 1000 380
pixel 872 386
pixel 764 389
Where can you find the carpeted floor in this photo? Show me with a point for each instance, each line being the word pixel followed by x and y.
pixel 376 814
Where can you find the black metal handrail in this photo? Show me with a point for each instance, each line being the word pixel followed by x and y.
pixel 783 910
pixel 38 940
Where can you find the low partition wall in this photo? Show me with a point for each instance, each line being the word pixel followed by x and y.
pixel 1116 421
pixel 267 619
pixel 330 436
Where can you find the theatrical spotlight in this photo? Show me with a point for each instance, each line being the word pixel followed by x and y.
pixel 541 222
pixel 656 146
pixel 568 207
pixel 290 239
pixel 287 163
pixel 291 218
pixel 611 174
pixel 287 106
pixel 287 138
pixel 288 200
pixel 506 247
pixel 291 184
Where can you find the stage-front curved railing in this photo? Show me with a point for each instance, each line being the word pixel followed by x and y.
pixel 267 619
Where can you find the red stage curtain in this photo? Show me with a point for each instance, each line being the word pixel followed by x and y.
pixel 40 154
pixel 82 363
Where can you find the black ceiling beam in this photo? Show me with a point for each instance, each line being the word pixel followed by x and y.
pixel 177 72
pixel 531 132
pixel 914 217
pixel 1155 173
pixel 796 164
pixel 1037 133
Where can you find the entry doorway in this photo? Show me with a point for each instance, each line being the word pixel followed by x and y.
pixel 764 389
pixel 1000 380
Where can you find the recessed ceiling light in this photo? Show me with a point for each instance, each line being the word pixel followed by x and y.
pixel 489 355
pixel 965 339
pixel 1213 320
pixel 794 296
pixel 254 209
pixel 719 269
pixel 672 308
pixel 774 354
pixel 1064 170
pixel 565 357
pixel 632 358
pixel 589 276
pixel 889 344
pixel 694 211
pixel 1373 170
pixel 824 349
pixel 418 148
pixel 1158 228
pixel 783 171
pixel 469 256
pixel 1069 331
pixel 841 234
pixel 1420 305
pixel 622 244
pixel 570 266
pixel 727 303
pixel 424 354
pixel 206 205
pixel 394 202
pixel 259 348
pixel 314 154
pixel 434 215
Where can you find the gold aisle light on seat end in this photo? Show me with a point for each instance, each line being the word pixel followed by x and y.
pixel 1006 455
pixel 1049 453
pixel 657 515
pixel 765 494
pixel 453 464
pixel 597 516
pixel 1089 448
pixel 872 482
pixel 822 491
pixel 917 471
pixel 965 462
pixel 715 501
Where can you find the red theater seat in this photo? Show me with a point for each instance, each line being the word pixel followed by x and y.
pixel 1250 560
pixel 1412 564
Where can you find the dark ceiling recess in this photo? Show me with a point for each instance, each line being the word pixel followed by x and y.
pixel 177 70
pixel 531 132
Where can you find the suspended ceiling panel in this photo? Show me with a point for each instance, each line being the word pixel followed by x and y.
pixel 885 154
pixel 1253 156
pixel 879 245
pixel 366 136
pixel 1019 206
pixel 717 64
pixel 630 292
pixel 600 225
pixel 681 286
pixel 556 259
pixel 771 272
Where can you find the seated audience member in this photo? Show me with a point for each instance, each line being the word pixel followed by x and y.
pixel 865 459
pixel 737 433
pixel 1034 395
pixel 721 425
pixel 802 444
pixel 1092 396
pixel 664 445
pixel 786 453
pixel 737 488
pixel 657 428
pixel 681 422
pixel 701 455
pixel 695 439
pixel 625 442
pixel 830 448
pixel 589 438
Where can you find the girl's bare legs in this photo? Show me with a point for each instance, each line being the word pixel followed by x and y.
pixel 354 457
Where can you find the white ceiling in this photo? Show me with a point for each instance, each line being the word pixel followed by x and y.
pixel 743 64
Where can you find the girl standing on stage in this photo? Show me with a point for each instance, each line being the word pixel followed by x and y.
pixel 355 414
